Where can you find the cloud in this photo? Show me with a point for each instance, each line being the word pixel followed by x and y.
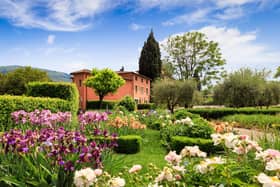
pixel 51 39
pixel 230 13
pixel 167 4
pixel 240 49
pixel 189 18
pixel 229 3
pixel 55 15
pixel 136 27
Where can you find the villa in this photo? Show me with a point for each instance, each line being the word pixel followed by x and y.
pixel 136 85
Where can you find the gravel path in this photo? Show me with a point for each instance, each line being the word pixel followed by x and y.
pixel 254 134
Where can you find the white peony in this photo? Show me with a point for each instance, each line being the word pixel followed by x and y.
pixel 268 181
pixel 135 168
pixel 273 165
pixel 84 177
pixel 116 182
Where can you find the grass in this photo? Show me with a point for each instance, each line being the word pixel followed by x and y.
pixel 151 152
pixel 256 121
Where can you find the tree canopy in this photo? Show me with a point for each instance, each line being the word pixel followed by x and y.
pixel 150 60
pixel 194 57
pixel 277 73
pixel 14 82
pixel 103 82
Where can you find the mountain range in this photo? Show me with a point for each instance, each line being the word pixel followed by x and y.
pixel 54 75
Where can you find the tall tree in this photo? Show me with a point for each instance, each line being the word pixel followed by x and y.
pixel 15 81
pixel 277 72
pixel 150 62
pixel 103 82
pixel 194 57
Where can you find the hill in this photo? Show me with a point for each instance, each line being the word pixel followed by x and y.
pixel 54 75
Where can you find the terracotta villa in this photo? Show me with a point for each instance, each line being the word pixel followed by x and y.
pixel 136 85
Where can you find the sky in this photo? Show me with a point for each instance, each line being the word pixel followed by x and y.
pixel 69 35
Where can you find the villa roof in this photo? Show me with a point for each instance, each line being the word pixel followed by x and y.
pixel 81 71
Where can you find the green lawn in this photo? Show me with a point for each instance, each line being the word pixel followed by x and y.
pixel 151 152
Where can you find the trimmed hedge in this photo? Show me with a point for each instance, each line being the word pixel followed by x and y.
pixel 9 104
pixel 61 90
pixel 148 106
pixel 219 113
pixel 129 144
pixel 128 102
pixel 206 145
pixel 105 105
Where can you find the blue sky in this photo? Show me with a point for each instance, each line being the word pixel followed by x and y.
pixel 68 35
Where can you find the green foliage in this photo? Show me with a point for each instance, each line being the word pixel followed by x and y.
pixel 129 144
pixel 216 113
pixel 199 129
pixel 193 56
pixel 182 114
pixel 146 106
pixel 173 92
pixel 257 120
pixel 92 105
pixel 128 102
pixel 61 90
pixel 14 82
pixel 277 72
pixel 247 88
pixel 149 61
pixel 103 82
pixel 206 145
pixel 9 104
pixel 53 75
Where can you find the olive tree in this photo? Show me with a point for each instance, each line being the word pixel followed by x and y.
pixel 103 82
pixel 173 92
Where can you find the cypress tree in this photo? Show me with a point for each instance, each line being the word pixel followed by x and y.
pixel 149 61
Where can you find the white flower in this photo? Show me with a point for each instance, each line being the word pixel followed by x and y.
pixel 230 140
pixel 208 164
pixel 116 182
pixel 217 138
pixel 268 181
pixel 192 151
pixel 135 168
pixel 273 165
pixel 267 155
pixel 84 177
pixel 173 158
pixel 166 174
pixel 98 172
pixel 179 168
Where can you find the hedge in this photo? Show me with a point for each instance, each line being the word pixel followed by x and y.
pixel 128 144
pixel 219 113
pixel 105 105
pixel 61 90
pixel 206 145
pixel 9 104
pixel 144 106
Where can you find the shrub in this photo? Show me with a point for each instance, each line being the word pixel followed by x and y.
pixel 128 102
pixel 105 105
pixel 181 114
pixel 148 106
pixel 198 129
pixel 129 144
pixel 206 145
pixel 61 90
pixel 9 104
pixel 221 112
pixel 257 120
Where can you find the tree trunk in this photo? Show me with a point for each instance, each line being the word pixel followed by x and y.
pixel 100 101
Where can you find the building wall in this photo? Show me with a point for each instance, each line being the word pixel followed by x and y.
pixel 135 86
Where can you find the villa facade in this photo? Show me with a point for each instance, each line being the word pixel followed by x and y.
pixel 136 85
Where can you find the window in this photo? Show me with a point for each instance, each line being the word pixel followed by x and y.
pixel 80 83
pixel 142 80
pixel 136 89
pixel 147 81
pixel 147 91
pixel 136 78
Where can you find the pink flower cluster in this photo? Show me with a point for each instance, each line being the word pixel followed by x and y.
pixel 57 144
pixel 41 118
pixel 92 117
